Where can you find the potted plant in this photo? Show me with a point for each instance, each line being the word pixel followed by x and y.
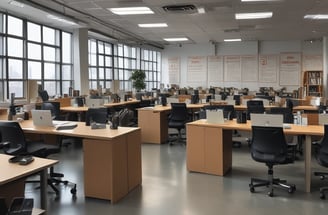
pixel 138 80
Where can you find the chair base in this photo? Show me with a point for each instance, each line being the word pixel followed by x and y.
pixel 178 140
pixel 256 182
pixel 322 175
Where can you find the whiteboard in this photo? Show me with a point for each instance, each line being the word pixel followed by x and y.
pixel 268 68
pixel 174 70
pixel 197 69
pixel 249 68
pixel 215 68
pixel 290 68
pixel 312 63
pixel 232 69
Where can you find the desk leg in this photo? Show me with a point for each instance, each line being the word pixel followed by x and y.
pixel 308 164
pixel 43 188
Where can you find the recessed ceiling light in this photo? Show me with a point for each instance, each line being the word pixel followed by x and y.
pixel 131 10
pixel 176 39
pixel 60 19
pixel 258 0
pixel 16 3
pixel 153 25
pixel 232 40
pixel 201 10
pixel 316 16
pixel 258 15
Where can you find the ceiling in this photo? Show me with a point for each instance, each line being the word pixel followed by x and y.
pixel 215 25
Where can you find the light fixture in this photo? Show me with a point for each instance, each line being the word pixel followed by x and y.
pixel 201 10
pixel 153 25
pixel 61 19
pixel 316 16
pixel 16 3
pixel 232 40
pixel 131 10
pixel 257 15
pixel 259 0
pixel 176 39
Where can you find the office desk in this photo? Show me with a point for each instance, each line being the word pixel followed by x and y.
pixel 112 158
pixel 154 123
pixel 11 174
pixel 74 109
pixel 123 103
pixel 209 146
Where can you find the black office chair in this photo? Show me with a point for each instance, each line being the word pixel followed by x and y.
pixel 269 146
pixel 177 119
pixel 54 108
pixel 14 143
pixel 98 115
pixel 254 106
pixel 322 158
pixel 44 95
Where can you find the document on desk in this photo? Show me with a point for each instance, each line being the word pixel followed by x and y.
pixel 64 125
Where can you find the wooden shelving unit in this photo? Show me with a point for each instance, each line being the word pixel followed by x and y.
pixel 312 83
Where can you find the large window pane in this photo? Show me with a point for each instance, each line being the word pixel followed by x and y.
pixel 66 48
pixel 34 70
pixel 49 71
pixel 67 72
pixel 15 69
pixel 93 73
pixel 49 53
pixel 50 86
pixel 15 26
pixel 33 32
pixel 15 47
pixel 33 51
pixel 17 88
pixel 49 35
pixel 101 73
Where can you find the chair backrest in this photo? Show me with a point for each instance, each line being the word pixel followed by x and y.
pixel 44 95
pixel 179 112
pixel 286 112
pixel 98 115
pixel 254 106
pixel 322 154
pixel 54 108
pixel 268 144
pixel 10 131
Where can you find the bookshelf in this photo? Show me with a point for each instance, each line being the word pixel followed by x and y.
pixel 312 83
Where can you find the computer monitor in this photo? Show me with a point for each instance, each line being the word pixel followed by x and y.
pixel 194 99
pixel 163 99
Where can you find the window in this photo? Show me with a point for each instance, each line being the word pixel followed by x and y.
pixel 33 51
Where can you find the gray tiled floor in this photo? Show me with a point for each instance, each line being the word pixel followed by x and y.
pixel 168 188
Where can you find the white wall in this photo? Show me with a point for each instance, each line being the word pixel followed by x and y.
pixel 237 48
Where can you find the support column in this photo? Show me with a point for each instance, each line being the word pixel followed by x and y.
pixel 80 50
pixel 325 66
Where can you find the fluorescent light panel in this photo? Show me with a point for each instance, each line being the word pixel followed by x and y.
pixel 16 3
pixel 60 19
pixel 232 40
pixel 316 16
pixel 153 25
pixel 176 39
pixel 258 15
pixel 131 10
pixel 259 0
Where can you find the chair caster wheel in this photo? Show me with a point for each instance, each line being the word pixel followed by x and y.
pixel 270 194
pixel 322 196
pixel 292 189
pixel 251 188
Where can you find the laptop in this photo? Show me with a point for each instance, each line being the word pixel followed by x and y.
pixel 94 103
pixel 44 118
pixel 270 120
pixel 215 116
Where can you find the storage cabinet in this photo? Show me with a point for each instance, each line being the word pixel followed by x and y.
pixel 312 83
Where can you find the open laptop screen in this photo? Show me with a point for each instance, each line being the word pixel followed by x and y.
pixel 270 120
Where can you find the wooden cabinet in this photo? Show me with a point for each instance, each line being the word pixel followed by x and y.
pixel 312 83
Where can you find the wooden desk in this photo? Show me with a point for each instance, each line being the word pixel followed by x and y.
pixel 305 108
pixel 154 123
pixel 209 146
pixel 74 109
pixel 123 103
pixel 13 174
pixel 112 158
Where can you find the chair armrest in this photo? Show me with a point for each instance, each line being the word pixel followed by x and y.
pixel 11 149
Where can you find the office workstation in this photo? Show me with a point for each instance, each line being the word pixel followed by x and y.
pixel 84 49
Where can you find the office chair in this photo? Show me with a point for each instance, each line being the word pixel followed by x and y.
pixel 44 95
pixel 254 106
pixel 54 108
pixel 98 115
pixel 322 158
pixel 269 146
pixel 14 143
pixel 177 119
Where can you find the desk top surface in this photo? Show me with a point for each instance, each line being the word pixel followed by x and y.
pixel 294 129
pixel 12 171
pixel 80 131
pixel 159 108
